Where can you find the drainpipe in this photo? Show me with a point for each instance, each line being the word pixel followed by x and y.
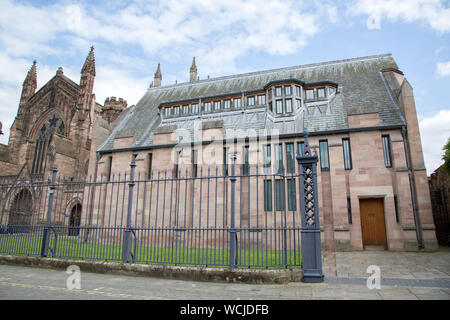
pixel 412 187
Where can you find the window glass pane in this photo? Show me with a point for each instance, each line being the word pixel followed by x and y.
pixel 267 158
pixel 216 105
pixel 347 154
pixel 246 167
pixel 298 103
pixel 279 106
pixel 207 106
pixel 227 104
pixel 287 90
pixel 237 103
pixel 297 91
pixel 278 91
pixel 279 158
pixel 324 160
pixel 270 94
pixel 331 90
pixel 185 109
pixel 387 151
pixel 270 106
pixel 262 100
pixel 176 111
pixel 195 108
pixel 268 195
pixel 288 105
pixel 279 195
pixel 292 197
pixel 290 163
pixel 251 101
pixel 310 94
pixel 321 93
pixel 300 147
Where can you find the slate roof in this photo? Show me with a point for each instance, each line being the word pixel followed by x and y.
pixel 361 89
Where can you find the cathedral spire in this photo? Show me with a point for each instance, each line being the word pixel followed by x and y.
pixel 158 77
pixel 31 78
pixel 193 71
pixel 89 64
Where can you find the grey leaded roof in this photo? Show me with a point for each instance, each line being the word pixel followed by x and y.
pixel 361 89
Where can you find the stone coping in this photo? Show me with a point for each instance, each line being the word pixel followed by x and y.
pixel 278 276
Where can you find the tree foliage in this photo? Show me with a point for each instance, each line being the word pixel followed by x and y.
pixel 446 157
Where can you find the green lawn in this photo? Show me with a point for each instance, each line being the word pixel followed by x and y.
pixel 73 248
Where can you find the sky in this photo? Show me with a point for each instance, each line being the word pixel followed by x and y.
pixel 226 37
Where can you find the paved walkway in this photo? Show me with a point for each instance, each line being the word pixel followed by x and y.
pixel 424 275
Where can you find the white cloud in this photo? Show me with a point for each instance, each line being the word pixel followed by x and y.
pixel 434 131
pixel 432 12
pixel 443 69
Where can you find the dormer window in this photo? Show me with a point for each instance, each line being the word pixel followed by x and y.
pixel 207 107
pixel 278 92
pixel 321 93
pixel 310 94
pixel 167 112
pixel 331 90
pixel 262 100
pixel 270 94
pixel 237 103
pixel 279 104
pixel 186 109
pixel 176 110
pixel 287 91
pixel 195 108
pixel 251 101
pixel 297 91
pixel 288 105
pixel 227 104
pixel 217 105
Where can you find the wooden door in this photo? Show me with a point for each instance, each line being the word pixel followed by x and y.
pixel 372 222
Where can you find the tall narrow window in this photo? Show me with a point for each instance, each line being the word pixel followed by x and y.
pixel 246 166
pixel 279 158
pixel 297 91
pixel 185 109
pixel 167 112
pixel 387 151
pixel 195 108
pixel 397 217
pixel 149 165
pixel 207 106
pixel 251 101
pixel 270 106
pixel 194 163
pixel 216 105
pixel 324 157
pixel 176 110
pixel 279 195
pixel 268 195
pixel 109 164
pixel 290 158
pixel 225 161
pixel 270 94
pixel 300 147
pixel 267 158
pixel 227 104
pixel 298 103
pixel 349 210
pixel 347 154
pixel 292 200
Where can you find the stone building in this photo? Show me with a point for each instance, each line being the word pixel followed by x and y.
pixel 59 126
pixel 362 122
pixel 359 113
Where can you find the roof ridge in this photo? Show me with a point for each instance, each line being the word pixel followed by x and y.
pixel 309 65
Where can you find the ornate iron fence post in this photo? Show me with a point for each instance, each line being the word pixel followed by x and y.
pixel 127 235
pixel 309 210
pixel 233 234
pixel 46 234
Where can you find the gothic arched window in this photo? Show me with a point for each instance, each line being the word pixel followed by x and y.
pixel 52 125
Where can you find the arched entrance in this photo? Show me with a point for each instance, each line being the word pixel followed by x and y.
pixel 21 212
pixel 75 220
